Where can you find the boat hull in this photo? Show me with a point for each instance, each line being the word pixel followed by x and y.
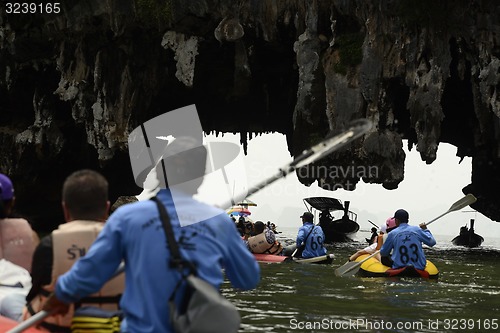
pixel 374 268
pixel 339 230
pixel 472 240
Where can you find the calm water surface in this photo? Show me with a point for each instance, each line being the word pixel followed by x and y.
pixel 310 298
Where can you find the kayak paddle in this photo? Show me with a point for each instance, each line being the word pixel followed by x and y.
pixel 352 267
pixel 41 315
pixel 332 143
pixel 469 199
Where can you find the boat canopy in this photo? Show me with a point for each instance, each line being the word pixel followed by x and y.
pixel 324 203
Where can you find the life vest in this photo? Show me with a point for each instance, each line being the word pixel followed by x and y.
pixel 259 244
pixel 71 241
pixel 17 242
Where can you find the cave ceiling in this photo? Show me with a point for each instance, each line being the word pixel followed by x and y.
pixel 73 84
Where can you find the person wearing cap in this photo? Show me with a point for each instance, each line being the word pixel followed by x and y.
pixel 390 224
pixel 405 242
pixel 310 238
pixel 17 239
pixel 134 233
pixel 373 236
pixel 17 242
pixel 375 246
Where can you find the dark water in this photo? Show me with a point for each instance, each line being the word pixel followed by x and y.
pixel 310 298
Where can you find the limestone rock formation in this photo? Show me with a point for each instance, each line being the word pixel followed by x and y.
pixel 73 84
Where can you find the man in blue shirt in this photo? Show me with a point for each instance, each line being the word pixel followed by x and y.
pixel 406 242
pixel 134 234
pixel 310 237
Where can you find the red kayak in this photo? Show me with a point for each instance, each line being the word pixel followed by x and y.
pixel 8 324
pixel 271 258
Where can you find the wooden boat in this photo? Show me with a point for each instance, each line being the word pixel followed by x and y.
pixel 335 229
pixel 374 268
pixel 271 258
pixel 468 237
pixel 7 324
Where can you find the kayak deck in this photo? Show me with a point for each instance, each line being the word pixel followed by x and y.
pixel 374 268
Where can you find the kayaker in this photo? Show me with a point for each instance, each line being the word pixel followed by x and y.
pixel 18 240
pixel 85 206
pixel 405 242
pixel 264 240
pixel 15 283
pixel 134 232
pixel 310 238
pixel 373 236
pixel 390 224
pixel 375 246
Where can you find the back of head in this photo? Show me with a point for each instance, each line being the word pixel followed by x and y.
pixel 402 216
pixel 85 195
pixel 258 227
pixel 307 217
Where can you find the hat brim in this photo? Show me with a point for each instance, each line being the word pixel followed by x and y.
pixel 219 154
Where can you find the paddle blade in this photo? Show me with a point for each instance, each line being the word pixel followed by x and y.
pixel 469 199
pixel 351 268
pixel 348 269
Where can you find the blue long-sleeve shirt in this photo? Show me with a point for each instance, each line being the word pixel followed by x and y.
pixel 314 242
pixel 406 243
pixel 134 233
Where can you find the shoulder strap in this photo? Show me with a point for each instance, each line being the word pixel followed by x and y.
pixel 176 260
pixel 312 228
pixel 303 245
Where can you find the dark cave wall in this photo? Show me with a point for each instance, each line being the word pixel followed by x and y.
pixel 73 85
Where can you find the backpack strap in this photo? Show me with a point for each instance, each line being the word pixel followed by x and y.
pixel 176 259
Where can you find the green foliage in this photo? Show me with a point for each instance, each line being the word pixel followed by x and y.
pixel 150 12
pixel 350 48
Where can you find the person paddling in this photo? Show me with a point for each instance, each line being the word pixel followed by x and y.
pixel 405 242
pixel 375 246
pixel 310 238
pixel 134 232
pixel 264 240
pixel 85 205
pixel 17 239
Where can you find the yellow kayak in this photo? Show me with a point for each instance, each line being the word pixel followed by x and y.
pixel 374 268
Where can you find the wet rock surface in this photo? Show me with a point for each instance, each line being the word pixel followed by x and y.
pixel 74 84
